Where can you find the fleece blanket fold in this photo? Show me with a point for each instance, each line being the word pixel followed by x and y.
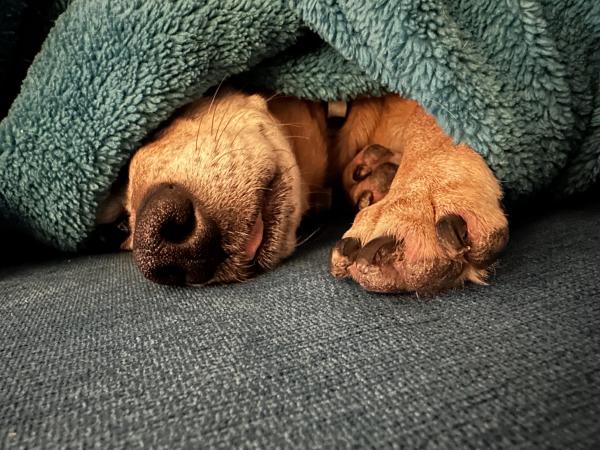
pixel 517 80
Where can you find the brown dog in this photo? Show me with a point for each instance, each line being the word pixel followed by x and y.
pixel 219 193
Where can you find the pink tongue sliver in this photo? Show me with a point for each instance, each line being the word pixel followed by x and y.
pixel 256 237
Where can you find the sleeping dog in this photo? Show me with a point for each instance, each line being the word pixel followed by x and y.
pixel 218 194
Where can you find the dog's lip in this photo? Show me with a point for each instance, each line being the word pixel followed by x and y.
pixel 267 207
pixel 256 237
pixel 258 233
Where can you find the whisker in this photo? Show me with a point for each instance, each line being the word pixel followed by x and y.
pixel 440 105
pixel 202 117
pixel 198 134
pixel 272 97
pixel 286 150
pixel 225 128
pixel 288 124
pixel 223 117
pixel 290 168
pixel 299 168
pixel 212 103
pixel 306 239
pixel 218 157
pixel 296 137
pixel 238 133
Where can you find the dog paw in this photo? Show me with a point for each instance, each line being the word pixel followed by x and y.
pixel 392 247
pixel 368 177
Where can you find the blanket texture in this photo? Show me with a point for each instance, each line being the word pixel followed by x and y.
pixel 517 80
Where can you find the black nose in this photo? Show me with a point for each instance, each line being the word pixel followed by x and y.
pixel 173 242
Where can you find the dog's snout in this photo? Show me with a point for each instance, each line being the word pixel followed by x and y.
pixel 174 242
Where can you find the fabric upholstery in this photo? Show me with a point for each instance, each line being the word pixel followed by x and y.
pixel 92 354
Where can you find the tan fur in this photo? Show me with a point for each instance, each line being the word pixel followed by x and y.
pixel 304 125
pixel 219 149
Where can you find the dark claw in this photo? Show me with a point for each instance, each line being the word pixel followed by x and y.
pixel 384 175
pixel 361 172
pixel 377 251
pixel 451 231
pixel 365 199
pixel 349 247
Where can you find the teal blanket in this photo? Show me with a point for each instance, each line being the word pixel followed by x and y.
pixel 517 80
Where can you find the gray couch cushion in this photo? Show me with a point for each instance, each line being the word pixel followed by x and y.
pixel 93 354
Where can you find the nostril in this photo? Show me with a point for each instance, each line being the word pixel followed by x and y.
pixel 180 224
pixel 170 274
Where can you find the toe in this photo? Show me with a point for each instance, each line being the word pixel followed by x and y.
pixel 370 175
pixel 374 154
pixel 365 199
pixel 361 172
pixel 383 176
pixel 375 266
pixel 343 255
pixel 451 231
pixel 485 252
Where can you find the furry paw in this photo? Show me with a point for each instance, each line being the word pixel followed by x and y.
pixel 392 247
